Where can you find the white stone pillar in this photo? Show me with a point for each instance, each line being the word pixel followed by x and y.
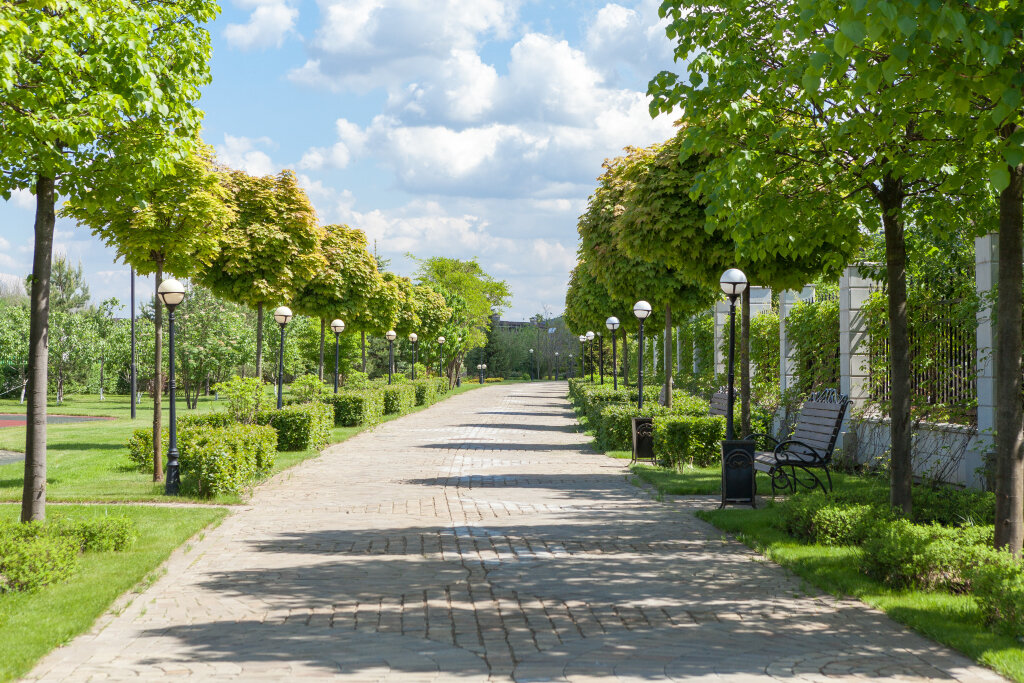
pixel 854 291
pixel 696 361
pixel 787 300
pixel 986 270
pixel 679 349
pixel 721 333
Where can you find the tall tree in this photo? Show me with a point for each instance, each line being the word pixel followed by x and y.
pixel 73 77
pixel 344 287
pixel 68 288
pixel 172 224
pixel 270 249
pixel 788 127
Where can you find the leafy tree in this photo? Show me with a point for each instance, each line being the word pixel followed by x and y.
pixel 72 343
pixel 149 230
pixel 13 346
pixel 74 76
pixel 344 287
pixel 212 337
pixel 789 128
pixel 271 248
pixel 68 289
pixel 104 323
pixel 588 305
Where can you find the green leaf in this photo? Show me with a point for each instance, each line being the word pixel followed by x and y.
pixel 854 30
pixel 999 177
pixel 842 44
pixel 907 25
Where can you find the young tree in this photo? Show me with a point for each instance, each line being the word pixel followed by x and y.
pixel 149 230
pixel 270 249
pixel 344 288
pixel 68 289
pixel 212 337
pixel 104 324
pixel 73 78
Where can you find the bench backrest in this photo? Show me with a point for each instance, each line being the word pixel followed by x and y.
pixel 820 419
pixel 720 402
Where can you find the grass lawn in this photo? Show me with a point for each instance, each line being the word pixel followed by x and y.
pixel 32 624
pixel 87 461
pixel 953 620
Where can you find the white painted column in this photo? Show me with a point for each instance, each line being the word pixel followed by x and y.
pixel 787 300
pixel 854 291
pixel 986 270
pixel 721 332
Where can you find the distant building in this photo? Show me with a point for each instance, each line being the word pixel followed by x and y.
pixel 510 325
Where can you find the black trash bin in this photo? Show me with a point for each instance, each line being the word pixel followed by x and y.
pixel 738 472
pixel 643 439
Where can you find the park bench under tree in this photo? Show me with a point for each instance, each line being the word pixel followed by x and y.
pixel 792 461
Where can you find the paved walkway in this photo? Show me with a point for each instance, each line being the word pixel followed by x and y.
pixel 480 539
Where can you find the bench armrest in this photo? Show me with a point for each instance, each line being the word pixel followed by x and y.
pixel 807 454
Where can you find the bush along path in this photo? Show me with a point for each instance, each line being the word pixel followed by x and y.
pixel 482 538
pixel 936 572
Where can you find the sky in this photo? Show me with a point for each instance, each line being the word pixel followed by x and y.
pixel 463 128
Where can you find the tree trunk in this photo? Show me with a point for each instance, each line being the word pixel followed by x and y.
pixel 101 377
pixel 323 333
pixel 33 498
pixel 158 378
pixel 668 357
pixel 1009 532
pixel 259 341
pixel 890 198
pixel 362 339
pixel 745 362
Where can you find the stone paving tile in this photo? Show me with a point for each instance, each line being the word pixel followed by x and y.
pixel 480 539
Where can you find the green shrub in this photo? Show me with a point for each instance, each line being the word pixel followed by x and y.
pixel 245 398
pixel 997 583
pixel 426 391
pixel 901 553
pixel 951 506
pixel 399 399
pixel 845 524
pixel 441 385
pixel 308 388
pixel 614 430
pixel 29 562
pixel 104 534
pixel 353 408
pixel 492 380
pixel 219 460
pixel 796 514
pixel 140 448
pixel 216 419
pixel 690 440
pixel 300 427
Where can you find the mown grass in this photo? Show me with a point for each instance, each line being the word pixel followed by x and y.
pixel 32 624
pixel 952 620
pixel 87 461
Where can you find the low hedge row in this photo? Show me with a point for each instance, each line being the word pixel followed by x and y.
pixel 688 439
pixel 300 427
pixel 354 408
pixel 928 556
pixel 426 392
pixel 36 554
pixel 399 398
pixel 228 460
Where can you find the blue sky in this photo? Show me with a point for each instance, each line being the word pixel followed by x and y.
pixel 466 128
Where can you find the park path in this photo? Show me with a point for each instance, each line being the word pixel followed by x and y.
pixel 481 539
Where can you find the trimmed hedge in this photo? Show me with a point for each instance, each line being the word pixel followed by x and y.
pixel 29 563
pixel 997 583
pixel 399 398
pixel 615 427
pixel 354 408
pixel 493 380
pixel 688 440
pixel 305 426
pixel 426 391
pixel 901 553
pixel 218 460
pixel 105 534
pixel 140 443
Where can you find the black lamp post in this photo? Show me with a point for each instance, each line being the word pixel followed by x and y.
pixel 440 356
pixel 733 282
pixel 133 376
pixel 413 337
pixel 572 366
pixel 172 293
pixel 590 338
pixel 531 365
pixel 612 324
pixel 556 366
pixel 282 315
pixel 337 326
pixel 600 348
pixel 390 335
pixel 641 309
pixel 583 355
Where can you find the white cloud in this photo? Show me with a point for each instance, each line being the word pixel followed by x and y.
pixel 364 44
pixel 629 45
pixel 269 23
pixel 244 154
pixel 24 199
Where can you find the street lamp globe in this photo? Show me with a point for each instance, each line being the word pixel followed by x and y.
pixel 413 337
pixel 485 366
pixel 440 340
pixel 612 323
pixel 590 336
pixel 337 326
pixel 531 350
pixel 171 292
pixel 733 282
pixel 641 309
pixel 282 315
pixel 583 338
pixel 391 335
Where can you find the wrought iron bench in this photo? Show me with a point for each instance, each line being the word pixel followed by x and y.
pixel 792 462
pixel 720 402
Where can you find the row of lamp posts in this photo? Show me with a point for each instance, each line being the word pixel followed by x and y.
pixel 172 293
